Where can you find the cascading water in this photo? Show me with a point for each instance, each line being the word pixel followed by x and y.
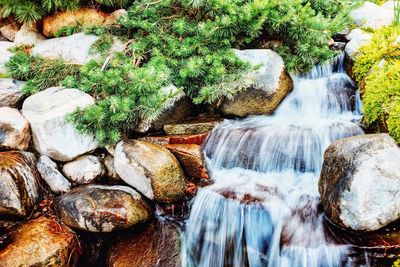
pixel 263 206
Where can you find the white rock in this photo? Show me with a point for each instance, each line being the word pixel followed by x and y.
pixel 5 55
pixel 14 130
pixel 74 48
pixel 27 36
pixel 50 173
pixel 357 38
pixel 53 136
pixel 84 170
pixel 10 92
pixel 370 15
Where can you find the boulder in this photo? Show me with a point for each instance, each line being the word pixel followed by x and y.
pixel 156 245
pixel 191 159
pixel 151 169
pixel 114 17
pixel 10 30
pixel 53 136
pixel 73 49
pixel 5 55
pixel 266 86
pixel 110 168
pixel 14 130
pixel 81 17
pixel 10 92
pixel 360 181
pixel 28 36
pixel 197 139
pixel 41 242
pixel 53 177
pixel 191 127
pixel 370 15
pixel 19 183
pixel 84 170
pixel 357 38
pixel 176 107
pixel 97 208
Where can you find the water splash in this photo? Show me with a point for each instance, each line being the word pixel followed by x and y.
pixel 263 207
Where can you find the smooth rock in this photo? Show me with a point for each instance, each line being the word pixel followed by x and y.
pixel 197 139
pixel 114 17
pixel 27 36
pixel 41 242
pixel 98 208
pixel 190 127
pixel 53 136
pixel 357 38
pixel 19 183
pixel 83 17
pixel 84 170
pixel 370 15
pixel 156 245
pixel 266 87
pixel 191 159
pixel 10 30
pixel 151 169
pixel 176 108
pixel 10 92
pixel 5 55
pixel 111 172
pixel 49 171
pixel 360 181
pixel 73 49
pixel 14 130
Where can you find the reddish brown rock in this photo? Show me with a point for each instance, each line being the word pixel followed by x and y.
pixel 41 242
pixel 199 126
pixel 156 245
pixel 191 159
pixel 196 139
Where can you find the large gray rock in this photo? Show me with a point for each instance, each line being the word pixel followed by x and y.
pixel 357 38
pixel 267 86
pixel 5 55
pixel 370 15
pixel 53 136
pixel 19 183
pixel 50 173
pixel 10 92
pixel 84 170
pixel 74 48
pixel 151 169
pixel 14 130
pixel 360 182
pixel 98 208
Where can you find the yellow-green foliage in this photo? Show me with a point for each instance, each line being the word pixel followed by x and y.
pixel 396 263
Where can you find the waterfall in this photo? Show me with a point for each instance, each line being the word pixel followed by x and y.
pixel 262 208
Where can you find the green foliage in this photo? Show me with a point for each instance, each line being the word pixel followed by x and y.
pixel 40 73
pixel 397 12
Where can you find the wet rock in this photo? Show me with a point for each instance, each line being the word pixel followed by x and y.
pixel 190 127
pixel 82 17
pixel 370 15
pixel 156 245
pixel 266 87
pixel 176 108
pixel 111 172
pixel 10 92
pixel 19 184
pixel 28 36
pixel 197 139
pixel 114 17
pixel 84 170
pixel 10 30
pixel 5 55
pixel 357 38
pixel 191 159
pixel 73 49
pixel 50 173
pixel 97 208
pixel 53 136
pixel 151 169
pixel 360 181
pixel 41 242
pixel 14 130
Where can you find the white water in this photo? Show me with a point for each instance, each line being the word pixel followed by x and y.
pixel 263 207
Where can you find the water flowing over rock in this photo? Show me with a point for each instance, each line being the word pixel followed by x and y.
pixel 19 183
pixel 360 180
pixel 41 242
pixel 53 177
pixel 82 17
pixel 262 208
pixel 14 130
pixel 5 55
pixel 73 49
pixel 370 15
pixel 10 92
pixel 267 86
pixel 151 169
pixel 53 136
pixel 28 35
pixel 156 245
pixel 84 170
pixel 98 208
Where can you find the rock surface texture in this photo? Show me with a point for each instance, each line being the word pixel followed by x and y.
pixel 360 181
pixel 84 170
pixel 10 92
pixel 151 169
pixel 267 86
pixel 357 38
pixel 370 15
pixel 28 35
pixel 5 55
pixel 53 136
pixel 98 208
pixel 53 177
pixel 14 130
